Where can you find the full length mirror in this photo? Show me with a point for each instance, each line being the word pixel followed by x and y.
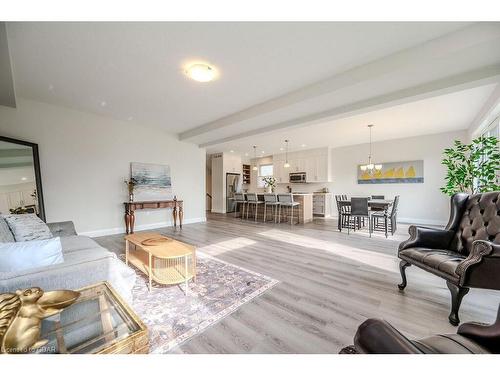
pixel 20 182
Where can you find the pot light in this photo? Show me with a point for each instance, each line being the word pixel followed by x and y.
pixel 231 151
pixel 201 72
pixel 23 178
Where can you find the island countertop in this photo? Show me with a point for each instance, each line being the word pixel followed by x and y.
pixel 304 209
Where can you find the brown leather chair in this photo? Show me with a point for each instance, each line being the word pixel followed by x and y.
pixel 466 253
pixel 376 336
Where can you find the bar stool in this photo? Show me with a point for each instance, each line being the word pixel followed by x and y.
pixel 286 200
pixel 239 198
pixel 252 200
pixel 271 200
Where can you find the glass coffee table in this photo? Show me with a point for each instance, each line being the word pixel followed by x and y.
pixel 98 322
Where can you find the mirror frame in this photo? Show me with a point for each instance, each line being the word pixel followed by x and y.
pixel 38 175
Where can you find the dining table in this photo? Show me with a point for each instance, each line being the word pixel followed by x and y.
pixel 380 204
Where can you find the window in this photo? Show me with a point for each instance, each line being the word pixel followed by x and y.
pixel 265 170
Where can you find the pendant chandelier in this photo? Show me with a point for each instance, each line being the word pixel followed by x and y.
pixel 255 158
pixel 370 167
pixel 286 165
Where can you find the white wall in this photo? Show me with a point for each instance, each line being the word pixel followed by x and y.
pixel 419 203
pixel 85 159
pixel 218 183
pixel 221 165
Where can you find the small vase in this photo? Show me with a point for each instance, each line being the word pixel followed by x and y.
pixel 131 197
pixel 269 190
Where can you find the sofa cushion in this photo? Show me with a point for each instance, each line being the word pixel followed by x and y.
pixel 27 227
pixel 480 221
pixel 71 244
pixel 27 255
pixel 5 233
pixel 442 260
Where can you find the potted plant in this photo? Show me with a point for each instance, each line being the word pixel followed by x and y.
pixel 130 186
pixel 472 168
pixel 269 183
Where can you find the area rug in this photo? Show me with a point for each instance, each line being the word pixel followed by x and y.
pixel 173 318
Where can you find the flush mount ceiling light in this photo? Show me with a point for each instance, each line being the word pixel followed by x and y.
pixel 201 72
pixel 370 167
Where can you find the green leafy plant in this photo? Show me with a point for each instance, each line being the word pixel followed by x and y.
pixel 472 168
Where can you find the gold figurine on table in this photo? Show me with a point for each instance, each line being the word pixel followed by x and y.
pixel 21 315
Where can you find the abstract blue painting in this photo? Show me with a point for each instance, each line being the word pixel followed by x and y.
pixel 153 181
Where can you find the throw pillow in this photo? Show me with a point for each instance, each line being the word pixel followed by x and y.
pixel 27 227
pixel 20 256
pixel 5 233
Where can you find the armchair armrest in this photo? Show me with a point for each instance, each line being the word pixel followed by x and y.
pixel 62 229
pixel 480 249
pixel 376 336
pixel 431 238
pixel 485 335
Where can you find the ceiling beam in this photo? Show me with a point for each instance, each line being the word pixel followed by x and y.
pixel 16 152
pixel 436 48
pixel 487 114
pixel 475 78
pixel 15 165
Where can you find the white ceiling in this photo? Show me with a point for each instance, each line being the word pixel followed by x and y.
pixel 134 71
pixel 273 76
pixel 439 114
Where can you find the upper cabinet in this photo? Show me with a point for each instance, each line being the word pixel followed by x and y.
pixel 315 163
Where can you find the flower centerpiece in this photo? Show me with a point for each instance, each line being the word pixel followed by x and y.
pixel 269 183
pixel 130 185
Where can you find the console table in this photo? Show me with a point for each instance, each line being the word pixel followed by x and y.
pixel 130 207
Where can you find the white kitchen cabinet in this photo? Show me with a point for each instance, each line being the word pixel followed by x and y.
pixel 315 163
pixel 322 204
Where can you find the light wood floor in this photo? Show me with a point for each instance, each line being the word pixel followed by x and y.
pixel 329 283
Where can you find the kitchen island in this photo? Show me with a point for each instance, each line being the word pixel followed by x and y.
pixel 304 210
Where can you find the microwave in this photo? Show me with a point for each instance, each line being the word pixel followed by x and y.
pixel 298 178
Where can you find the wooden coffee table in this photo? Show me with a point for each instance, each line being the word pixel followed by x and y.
pixel 161 258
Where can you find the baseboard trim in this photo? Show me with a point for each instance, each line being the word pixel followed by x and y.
pixel 120 230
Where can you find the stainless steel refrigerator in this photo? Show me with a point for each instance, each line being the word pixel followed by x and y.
pixel 233 185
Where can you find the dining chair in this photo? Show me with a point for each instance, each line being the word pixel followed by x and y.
pixel 252 200
pixel 271 200
pixel 390 218
pixel 360 210
pixel 239 198
pixel 286 200
pixel 344 211
pixel 338 198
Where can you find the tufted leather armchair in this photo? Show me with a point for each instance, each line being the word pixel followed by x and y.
pixel 376 336
pixel 466 253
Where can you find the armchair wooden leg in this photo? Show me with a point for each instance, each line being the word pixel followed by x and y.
pixel 457 293
pixel 403 265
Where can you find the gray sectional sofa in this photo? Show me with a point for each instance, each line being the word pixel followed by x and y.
pixel 85 263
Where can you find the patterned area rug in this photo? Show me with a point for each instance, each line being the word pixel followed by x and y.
pixel 220 289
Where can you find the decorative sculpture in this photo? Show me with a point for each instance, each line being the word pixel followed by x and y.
pixel 21 315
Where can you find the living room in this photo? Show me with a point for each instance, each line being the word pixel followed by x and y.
pixel 249 188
